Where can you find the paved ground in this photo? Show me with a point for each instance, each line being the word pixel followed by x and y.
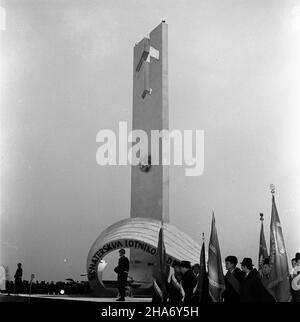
pixel 36 297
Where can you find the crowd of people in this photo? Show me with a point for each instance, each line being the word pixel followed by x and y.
pixel 50 288
pixel 20 286
pixel 185 285
pixel 245 284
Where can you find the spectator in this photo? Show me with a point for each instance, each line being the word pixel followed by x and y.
pixel 266 296
pixel 189 281
pixel 233 279
pixel 252 289
pixel 18 279
pixel 196 269
pixel 175 290
pixel 295 280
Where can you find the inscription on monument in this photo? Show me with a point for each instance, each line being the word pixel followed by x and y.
pixel 114 245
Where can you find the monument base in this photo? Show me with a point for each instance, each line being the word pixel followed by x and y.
pixel 140 235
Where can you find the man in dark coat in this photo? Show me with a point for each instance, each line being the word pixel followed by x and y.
pixel 18 278
pixel 189 281
pixel 252 289
pixel 266 296
pixel 233 279
pixel 122 271
pixel 175 293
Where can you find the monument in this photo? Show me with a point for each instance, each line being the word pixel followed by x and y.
pixel 149 183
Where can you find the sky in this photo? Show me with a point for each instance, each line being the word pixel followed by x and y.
pixel 66 73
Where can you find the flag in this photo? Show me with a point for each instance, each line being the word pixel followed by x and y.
pixel 202 284
pixel 263 251
pixel 215 269
pixel 279 274
pixel 161 271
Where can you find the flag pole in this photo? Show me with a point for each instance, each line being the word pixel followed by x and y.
pixel 279 275
pixel 262 250
pixel 203 241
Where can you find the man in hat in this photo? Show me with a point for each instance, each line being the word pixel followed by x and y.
pixel 252 289
pixel 175 290
pixel 189 281
pixel 122 271
pixel 233 279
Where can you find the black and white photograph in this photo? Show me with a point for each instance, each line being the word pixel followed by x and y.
pixel 150 162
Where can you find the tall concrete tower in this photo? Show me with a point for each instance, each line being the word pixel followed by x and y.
pixel 150 183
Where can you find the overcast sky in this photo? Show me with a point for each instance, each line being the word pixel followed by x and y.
pixel 66 73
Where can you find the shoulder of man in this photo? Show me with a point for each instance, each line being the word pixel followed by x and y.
pixel 256 274
pixel 239 274
pixel 191 276
pixel 124 261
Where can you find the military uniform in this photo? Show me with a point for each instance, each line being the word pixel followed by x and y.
pixel 122 271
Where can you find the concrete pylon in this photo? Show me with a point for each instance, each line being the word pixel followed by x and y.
pixel 149 183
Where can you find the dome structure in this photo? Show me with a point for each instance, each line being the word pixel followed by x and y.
pixel 141 234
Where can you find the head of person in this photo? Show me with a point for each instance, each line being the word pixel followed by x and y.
pixel 297 259
pixel 230 263
pixel 185 266
pixel 266 267
pixel 293 261
pixel 179 276
pixel 177 267
pixel 19 265
pixel 122 252
pixel 196 269
pixel 246 265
